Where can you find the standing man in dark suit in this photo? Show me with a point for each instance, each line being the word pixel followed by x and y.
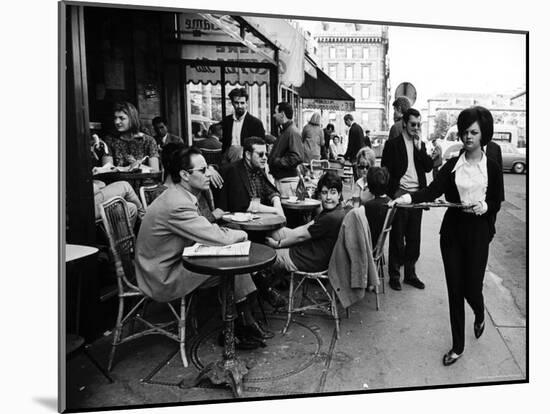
pixel 356 138
pixel 406 159
pixel 240 125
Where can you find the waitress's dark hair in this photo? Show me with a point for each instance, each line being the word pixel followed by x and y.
pixel 480 115
pixel 180 159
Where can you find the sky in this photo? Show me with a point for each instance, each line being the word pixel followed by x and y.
pixel 443 60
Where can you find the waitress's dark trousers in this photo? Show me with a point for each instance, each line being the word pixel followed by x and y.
pixel 465 251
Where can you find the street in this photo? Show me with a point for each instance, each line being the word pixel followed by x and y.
pixel 508 250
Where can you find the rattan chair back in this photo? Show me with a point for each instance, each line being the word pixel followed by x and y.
pixel 150 193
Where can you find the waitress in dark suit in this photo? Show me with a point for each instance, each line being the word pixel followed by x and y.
pixel 476 180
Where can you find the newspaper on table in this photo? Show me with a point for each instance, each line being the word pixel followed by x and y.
pixel 236 249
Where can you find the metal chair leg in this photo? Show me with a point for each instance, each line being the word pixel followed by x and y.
pixel 181 329
pixel 117 333
pixel 96 364
pixel 290 302
pixel 334 312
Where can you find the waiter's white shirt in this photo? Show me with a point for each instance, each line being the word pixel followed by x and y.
pixel 237 128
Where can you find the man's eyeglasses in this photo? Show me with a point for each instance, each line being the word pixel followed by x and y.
pixel 332 192
pixel 415 124
pixel 261 154
pixel 201 170
pixel 362 167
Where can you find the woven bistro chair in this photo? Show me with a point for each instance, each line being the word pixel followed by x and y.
pixel 212 156
pixel 378 252
pixel 327 304
pixel 148 194
pixel 114 213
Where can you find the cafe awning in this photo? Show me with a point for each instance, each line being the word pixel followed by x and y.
pixel 324 93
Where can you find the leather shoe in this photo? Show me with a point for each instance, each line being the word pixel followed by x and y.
pixel 256 331
pixel 478 329
pixel 395 284
pixel 416 282
pixel 274 298
pixel 450 358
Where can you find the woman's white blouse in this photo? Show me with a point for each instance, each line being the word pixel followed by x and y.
pixel 471 179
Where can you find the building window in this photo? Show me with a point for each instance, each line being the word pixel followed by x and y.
pixel 364 118
pixel 365 92
pixel 349 89
pixel 332 71
pixel 365 52
pixel 365 72
pixel 332 117
pixel 349 72
pixel 349 52
pixel 332 52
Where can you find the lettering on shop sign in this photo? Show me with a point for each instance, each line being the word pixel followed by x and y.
pixel 200 24
pixel 204 68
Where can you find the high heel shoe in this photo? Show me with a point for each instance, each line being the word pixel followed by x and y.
pixel 478 329
pixel 450 358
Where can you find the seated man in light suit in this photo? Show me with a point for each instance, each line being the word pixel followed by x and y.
pixel 172 223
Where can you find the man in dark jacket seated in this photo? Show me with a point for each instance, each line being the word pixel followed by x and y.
pixel 247 188
pixel 245 180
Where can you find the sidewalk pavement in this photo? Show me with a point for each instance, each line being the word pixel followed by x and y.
pixel 401 345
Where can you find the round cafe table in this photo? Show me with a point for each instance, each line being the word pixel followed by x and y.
pixel 309 204
pixel 230 370
pixel 305 208
pixel 261 222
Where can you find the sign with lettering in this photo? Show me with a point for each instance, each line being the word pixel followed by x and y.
pixel 328 104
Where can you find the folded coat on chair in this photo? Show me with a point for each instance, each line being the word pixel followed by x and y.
pixel 351 268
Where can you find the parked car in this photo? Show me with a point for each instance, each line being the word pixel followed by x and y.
pixel 513 159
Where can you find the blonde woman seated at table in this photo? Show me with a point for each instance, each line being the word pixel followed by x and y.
pixel 365 160
pixel 309 247
pixel 129 145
